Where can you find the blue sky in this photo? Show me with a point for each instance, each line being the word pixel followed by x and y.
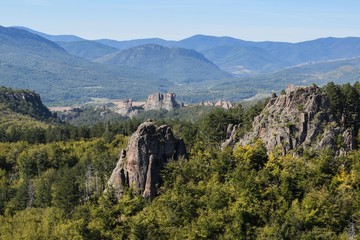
pixel 257 20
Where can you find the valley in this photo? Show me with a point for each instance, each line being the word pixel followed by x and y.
pixel 203 137
pixel 198 68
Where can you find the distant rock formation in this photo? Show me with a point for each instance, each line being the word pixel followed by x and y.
pixel 220 103
pixel 148 151
pixel 24 102
pixel 128 109
pixel 297 120
pixel 157 101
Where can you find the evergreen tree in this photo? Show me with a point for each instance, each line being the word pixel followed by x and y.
pixel 66 190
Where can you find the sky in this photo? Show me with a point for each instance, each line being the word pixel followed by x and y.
pixel 255 20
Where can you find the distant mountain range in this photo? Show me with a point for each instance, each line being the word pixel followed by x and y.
pixel 173 64
pixel 68 68
pixel 88 50
pixel 231 53
pixel 30 61
pixel 235 55
pixel 53 38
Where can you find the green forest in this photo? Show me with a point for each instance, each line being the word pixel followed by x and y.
pixel 53 178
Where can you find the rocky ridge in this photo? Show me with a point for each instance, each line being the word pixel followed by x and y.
pixel 148 151
pixel 300 119
pixel 24 102
pixel 220 103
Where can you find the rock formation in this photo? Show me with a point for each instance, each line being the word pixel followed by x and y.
pixel 24 102
pixel 127 109
pixel 220 103
pixel 297 120
pixel 224 104
pixel 230 136
pixel 148 151
pixel 157 101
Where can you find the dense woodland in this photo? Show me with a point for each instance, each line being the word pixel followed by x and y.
pixel 53 176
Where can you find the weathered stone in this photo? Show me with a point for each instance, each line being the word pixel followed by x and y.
pixel 231 137
pixel 220 103
pixel 148 151
pixel 297 120
pixel 157 101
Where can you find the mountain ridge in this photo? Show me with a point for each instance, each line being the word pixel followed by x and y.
pixel 261 67
pixel 173 64
pixel 30 61
pixel 273 55
pixel 54 38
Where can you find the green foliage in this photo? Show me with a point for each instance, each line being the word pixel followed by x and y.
pixel 66 192
pixel 23 101
pixel 344 104
pixel 240 194
pixel 213 126
pixel 56 174
pixel 55 189
pixel 39 223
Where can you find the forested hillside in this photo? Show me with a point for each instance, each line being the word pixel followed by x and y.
pixel 30 61
pixel 55 189
pixel 172 64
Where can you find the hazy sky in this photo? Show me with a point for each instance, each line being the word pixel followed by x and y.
pixel 257 20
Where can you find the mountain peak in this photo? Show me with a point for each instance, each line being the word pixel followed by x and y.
pixel 173 64
pixel 19 37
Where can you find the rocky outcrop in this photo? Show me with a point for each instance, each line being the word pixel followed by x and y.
pixel 127 109
pixel 157 101
pixel 148 151
pixel 224 104
pixel 297 120
pixel 231 137
pixel 220 103
pixel 24 102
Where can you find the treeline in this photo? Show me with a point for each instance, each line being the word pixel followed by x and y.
pixel 66 132
pixel 209 126
pixel 344 103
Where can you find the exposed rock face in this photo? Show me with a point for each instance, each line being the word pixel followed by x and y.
pixel 25 102
pixel 157 101
pixel 220 103
pixel 230 136
pixel 224 104
pixel 299 119
pixel 148 151
pixel 128 109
